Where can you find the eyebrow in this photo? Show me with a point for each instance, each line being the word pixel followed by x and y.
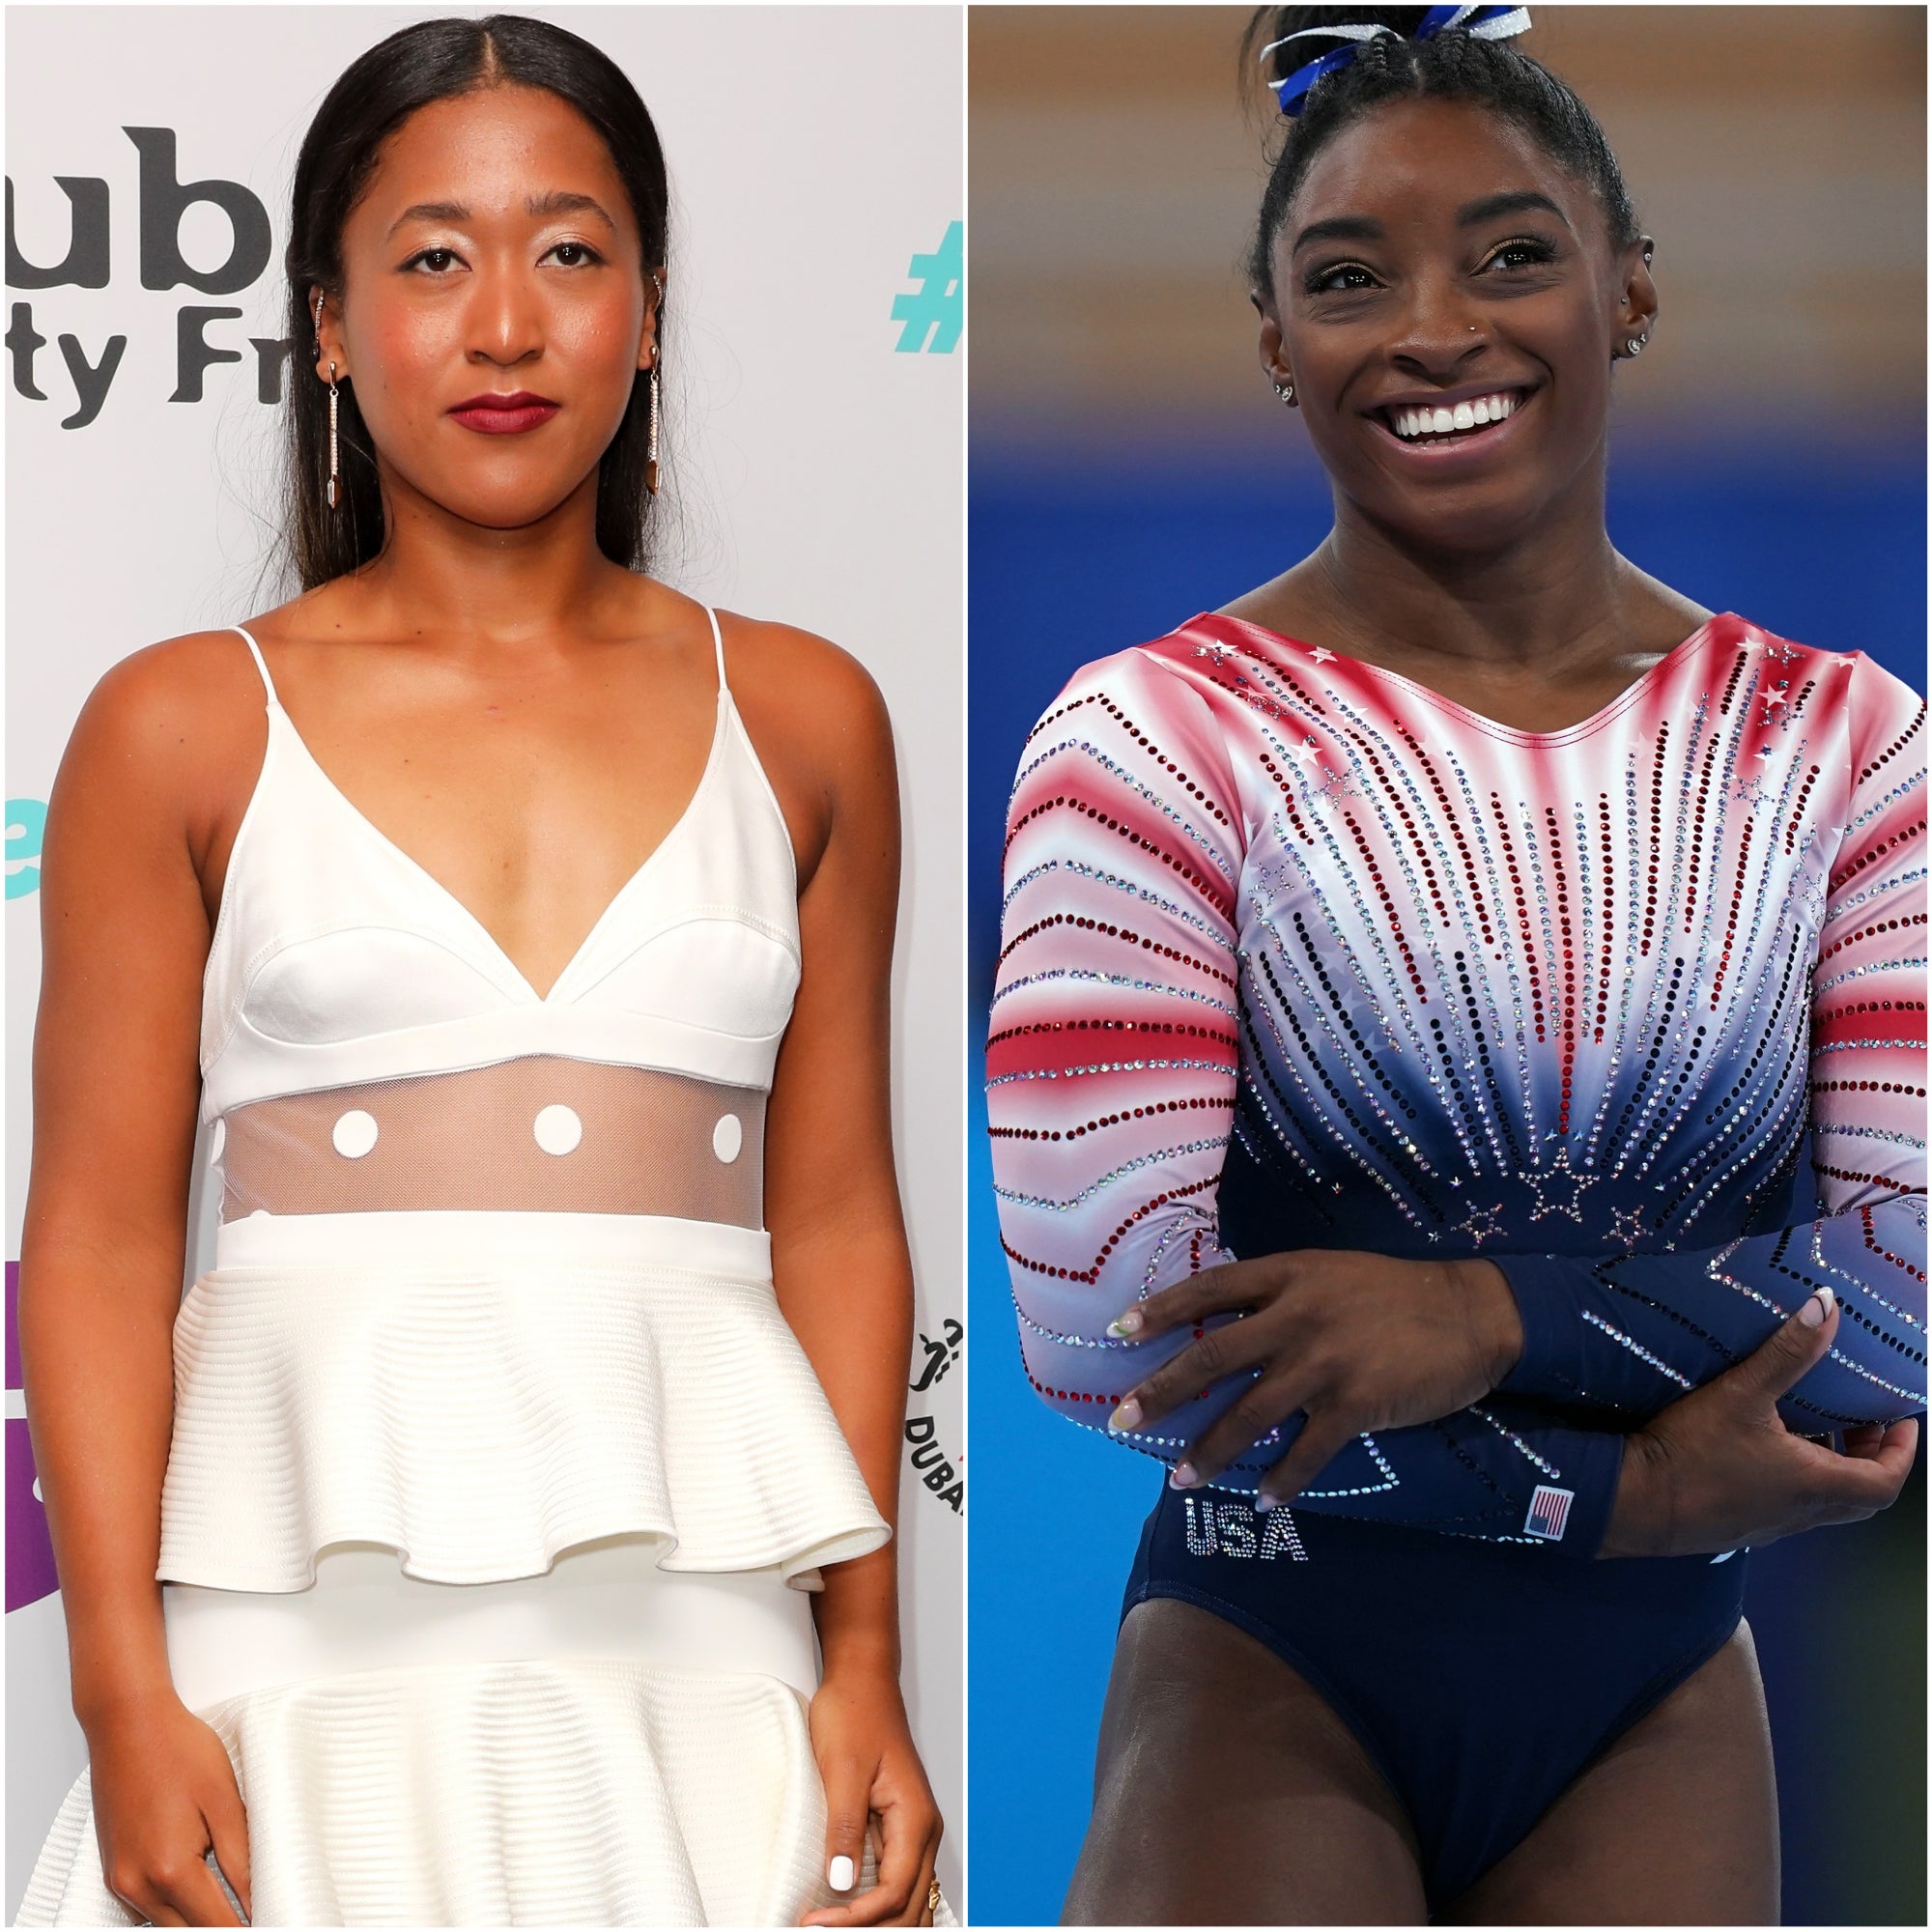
pixel 1341 228
pixel 1364 228
pixel 539 207
pixel 1511 201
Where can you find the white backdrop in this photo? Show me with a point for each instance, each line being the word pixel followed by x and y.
pixel 816 461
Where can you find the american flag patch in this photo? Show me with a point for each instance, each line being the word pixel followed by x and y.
pixel 1549 1510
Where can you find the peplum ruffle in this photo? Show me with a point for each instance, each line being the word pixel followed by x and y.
pixel 480 1418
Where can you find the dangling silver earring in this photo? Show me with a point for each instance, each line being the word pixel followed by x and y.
pixel 333 452
pixel 651 439
pixel 1286 391
pixel 651 434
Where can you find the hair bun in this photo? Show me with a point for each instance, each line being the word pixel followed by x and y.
pixel 1303 30
pixel 1296 61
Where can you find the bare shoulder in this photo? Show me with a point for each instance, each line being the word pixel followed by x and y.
pixel 172 692
pixel 803 691
pixel 175 726
pixel 819 726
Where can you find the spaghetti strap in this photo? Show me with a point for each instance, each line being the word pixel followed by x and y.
pixel 717 639
pixel 255 651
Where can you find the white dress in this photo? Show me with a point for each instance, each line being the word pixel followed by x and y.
pixel 498 1479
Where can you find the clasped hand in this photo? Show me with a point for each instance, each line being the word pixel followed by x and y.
pixel 1357 1342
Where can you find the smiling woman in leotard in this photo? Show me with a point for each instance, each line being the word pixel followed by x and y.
pixel 521 931
pixel 1447 928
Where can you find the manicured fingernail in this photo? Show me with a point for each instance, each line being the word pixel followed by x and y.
pixel 1817 1305
pixel 1185 1476
pixel 1127 1417
pixel 841 1874
pixel 1264 1502
pixel 1129 1324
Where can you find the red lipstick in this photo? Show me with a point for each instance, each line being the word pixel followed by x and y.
pixel 504 416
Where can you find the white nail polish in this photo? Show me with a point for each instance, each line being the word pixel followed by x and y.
pixel 841 1874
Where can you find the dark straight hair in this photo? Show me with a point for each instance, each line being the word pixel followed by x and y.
pixel 437 60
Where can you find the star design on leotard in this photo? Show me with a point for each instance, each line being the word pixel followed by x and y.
pixel 1335 785
pixel 1753 791
pixel 1626 1226
pixel 1844 664
pixel 1813 899
pixel 1321 656
pixel 1773 699
pixel 1783 652
pixel 1558 1188
pixel 1481 1224
pixel 1307 753
pixel 1762 752
pixel 1217 654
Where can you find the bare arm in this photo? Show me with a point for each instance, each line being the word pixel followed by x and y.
pixel 124 935
pixel 838 1246
pixel 116 1082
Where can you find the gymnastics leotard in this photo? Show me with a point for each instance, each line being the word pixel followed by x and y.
pixel 1300 954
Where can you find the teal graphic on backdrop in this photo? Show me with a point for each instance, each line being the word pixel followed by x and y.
pixel 933 315
pixel 26 820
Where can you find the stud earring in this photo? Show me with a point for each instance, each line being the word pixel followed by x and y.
pixel 1286 391
pixel 1635 344
pixel 333 452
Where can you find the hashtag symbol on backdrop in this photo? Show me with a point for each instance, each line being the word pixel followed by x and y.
pixel 932 317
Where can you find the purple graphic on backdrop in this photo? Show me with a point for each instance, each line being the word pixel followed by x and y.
pixel 30 1554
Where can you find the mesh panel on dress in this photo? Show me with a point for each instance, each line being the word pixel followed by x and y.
pixel 538 1133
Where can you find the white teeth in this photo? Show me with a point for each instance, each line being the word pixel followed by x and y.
pixel 1472 413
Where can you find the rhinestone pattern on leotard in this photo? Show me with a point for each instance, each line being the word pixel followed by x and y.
pixel 1298 953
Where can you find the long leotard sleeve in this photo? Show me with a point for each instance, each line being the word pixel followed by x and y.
pixel 1226 943
pixel 1634 1332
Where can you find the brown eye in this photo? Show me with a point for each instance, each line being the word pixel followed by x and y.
pixel 1344 279
pixel 1527 253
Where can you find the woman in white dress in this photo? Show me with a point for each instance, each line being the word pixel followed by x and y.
pixel 452 1552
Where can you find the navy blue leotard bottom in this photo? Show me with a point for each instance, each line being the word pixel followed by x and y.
pixel 1480 1678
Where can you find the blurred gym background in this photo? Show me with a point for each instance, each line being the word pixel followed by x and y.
pixel 1129 467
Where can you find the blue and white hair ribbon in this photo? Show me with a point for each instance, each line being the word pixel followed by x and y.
pixel 1485 23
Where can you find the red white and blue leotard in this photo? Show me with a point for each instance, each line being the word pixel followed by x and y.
pixel 1299 954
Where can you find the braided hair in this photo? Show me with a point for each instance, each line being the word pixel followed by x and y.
pixel 1449 66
